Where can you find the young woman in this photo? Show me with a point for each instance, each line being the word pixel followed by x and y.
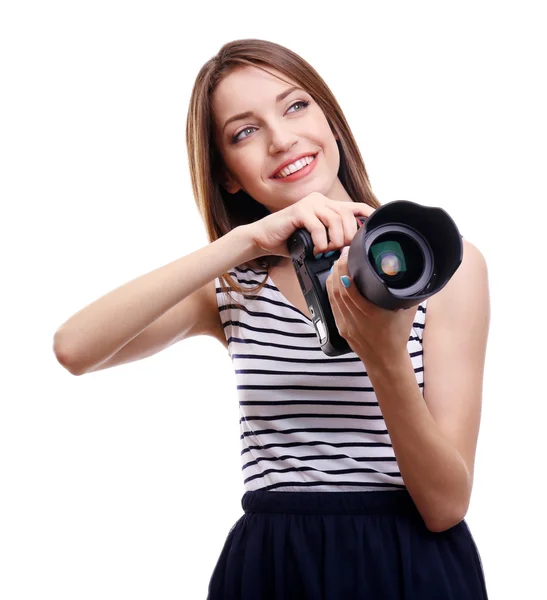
pixel 358 469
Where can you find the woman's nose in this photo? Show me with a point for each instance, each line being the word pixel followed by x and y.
pixel 281 140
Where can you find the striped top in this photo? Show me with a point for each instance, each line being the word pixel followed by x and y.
pixel 309 422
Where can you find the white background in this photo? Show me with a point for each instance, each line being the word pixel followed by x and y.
pixel 124 483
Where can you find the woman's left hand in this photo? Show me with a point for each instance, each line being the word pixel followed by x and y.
pixel 377 335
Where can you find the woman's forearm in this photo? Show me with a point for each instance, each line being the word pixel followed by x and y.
pixel 432 469
pixel 106 325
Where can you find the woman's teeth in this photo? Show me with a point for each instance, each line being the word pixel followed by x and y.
pixel 293 167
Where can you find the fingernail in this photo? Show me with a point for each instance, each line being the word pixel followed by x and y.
pixel 317 256
pixel 331 269
pixel 345 251
pixel 330 253
pixel 345 281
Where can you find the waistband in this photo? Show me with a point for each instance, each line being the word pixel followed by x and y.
pixel 384 502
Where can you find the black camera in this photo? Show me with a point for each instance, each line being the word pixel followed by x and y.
pixel 402 254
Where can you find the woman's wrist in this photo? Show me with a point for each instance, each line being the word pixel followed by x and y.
pixel 243 240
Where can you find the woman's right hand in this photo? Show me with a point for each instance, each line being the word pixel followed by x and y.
pixel 316 213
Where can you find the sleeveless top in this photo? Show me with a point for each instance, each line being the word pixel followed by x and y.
pixel 309 422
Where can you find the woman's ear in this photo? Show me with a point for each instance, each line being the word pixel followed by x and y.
pixel 229 183
pixel 231 186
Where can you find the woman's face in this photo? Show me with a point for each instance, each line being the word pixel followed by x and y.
pixel 279 128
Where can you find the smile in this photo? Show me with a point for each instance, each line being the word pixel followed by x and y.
pixel 298 169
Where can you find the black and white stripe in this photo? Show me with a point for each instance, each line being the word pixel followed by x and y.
pixel 309 422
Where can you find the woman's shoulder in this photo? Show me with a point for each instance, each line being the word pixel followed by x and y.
pixel 468 286
pixel 472 273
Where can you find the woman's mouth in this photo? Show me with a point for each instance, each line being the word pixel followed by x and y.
pixel 297 170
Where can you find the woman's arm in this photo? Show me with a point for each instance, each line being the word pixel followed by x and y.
pixel 435 441
pixel 102 328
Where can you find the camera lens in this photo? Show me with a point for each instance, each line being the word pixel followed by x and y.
pixel 397 258
pixel 389 259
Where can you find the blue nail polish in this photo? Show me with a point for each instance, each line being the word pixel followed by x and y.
pixel 320 255
pixel 331 269
pixel 330 253
pixel 345 281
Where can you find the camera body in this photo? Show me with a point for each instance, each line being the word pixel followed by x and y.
pixel 402 254
pixel 312 275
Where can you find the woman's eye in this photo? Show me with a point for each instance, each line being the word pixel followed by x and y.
pixel 303 102
pixel 237 137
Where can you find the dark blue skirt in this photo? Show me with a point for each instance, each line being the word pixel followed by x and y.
pixel 343 546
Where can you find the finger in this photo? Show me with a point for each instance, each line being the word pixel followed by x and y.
pixel 357 208
pixel 318 232
pixel 332 285
pixel 334 269
pixel 329 285
pixel 349 216
pixel 335 229
pixel 351 227
pixel 342 262
pixel 333 280
pixel 350 297
pixel 331 235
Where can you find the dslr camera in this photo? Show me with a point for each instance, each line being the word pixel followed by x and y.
pixel 402 254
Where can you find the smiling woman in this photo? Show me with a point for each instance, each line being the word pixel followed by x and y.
pixel 351 470
pixel 344 487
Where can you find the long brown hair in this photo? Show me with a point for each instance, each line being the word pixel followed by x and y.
pixel 222 211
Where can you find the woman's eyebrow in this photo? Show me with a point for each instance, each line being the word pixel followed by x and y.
pixel 250 113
